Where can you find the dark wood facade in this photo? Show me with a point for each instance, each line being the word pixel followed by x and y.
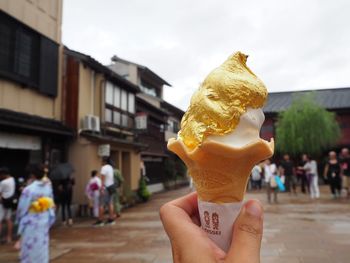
pixel 153 136
pixel 70 91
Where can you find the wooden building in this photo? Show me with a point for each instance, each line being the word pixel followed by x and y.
pixel 100 106
pixel 156 118
pixel 31 130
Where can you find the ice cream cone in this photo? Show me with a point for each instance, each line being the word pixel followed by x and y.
pixel 220 173
pixel 219 143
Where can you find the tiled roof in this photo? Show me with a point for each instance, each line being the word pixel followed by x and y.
pixel 331 99
pixel 94 64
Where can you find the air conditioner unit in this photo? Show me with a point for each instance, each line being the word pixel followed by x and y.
pixel 91 123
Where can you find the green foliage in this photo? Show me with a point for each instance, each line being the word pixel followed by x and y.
pixel 306 127
pixel 143 192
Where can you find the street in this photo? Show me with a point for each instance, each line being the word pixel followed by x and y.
pixel 297 230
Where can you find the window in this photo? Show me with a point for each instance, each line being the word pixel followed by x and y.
pixel 116 117
pixel 176 126
pixel 109 93
pixel 5 47
pixel 27 57
pixel 173 126
pixel 170 125
pixel 23 54
pixel 108 115
pixel 148 90
pixel 131 103
pixel 116 97
pixel 124 101
pixel 120 106
pixel 125 120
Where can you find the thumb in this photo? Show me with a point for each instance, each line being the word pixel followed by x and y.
pixel 247 234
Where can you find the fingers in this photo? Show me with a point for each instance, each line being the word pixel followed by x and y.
pixel 247 234
pixel 181 222
pixel 182 210
pixel 188 203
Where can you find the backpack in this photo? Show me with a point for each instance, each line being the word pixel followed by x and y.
pixel 118 178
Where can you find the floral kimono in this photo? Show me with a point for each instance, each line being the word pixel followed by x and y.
pixel 35 216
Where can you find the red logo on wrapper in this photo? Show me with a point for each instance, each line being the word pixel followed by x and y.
pixel 215 220
pixel 214 229
pixel 207 219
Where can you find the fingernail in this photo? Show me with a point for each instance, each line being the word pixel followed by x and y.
pixel 253 208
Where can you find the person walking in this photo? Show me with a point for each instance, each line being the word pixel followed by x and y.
pixel 118 181
pixel 310 168
pixel 332 173
pixel 107 193
pixel 66 192
pixel 256 177
pixel 7 195
pixel 92 191
pixel 270 170
pixel 35 216
pixel 289 172
pixel 345 170
pixel 302 177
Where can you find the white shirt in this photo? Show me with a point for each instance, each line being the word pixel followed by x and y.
pixel 311 167
pixel 7 187
pixel 270 170
pixel 108 173
pixel 256 173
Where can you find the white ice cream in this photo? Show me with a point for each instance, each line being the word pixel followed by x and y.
pixel 247 130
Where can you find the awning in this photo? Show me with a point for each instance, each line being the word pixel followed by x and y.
pixel 24 121
pixel 19 141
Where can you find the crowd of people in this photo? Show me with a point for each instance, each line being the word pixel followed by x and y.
pixel 32 204
pixel 287 175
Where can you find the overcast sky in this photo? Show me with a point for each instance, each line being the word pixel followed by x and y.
pixel 292 45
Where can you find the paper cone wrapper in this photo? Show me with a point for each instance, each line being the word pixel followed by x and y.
pixel 220 174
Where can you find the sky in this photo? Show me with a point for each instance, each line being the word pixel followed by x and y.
pixel 292 44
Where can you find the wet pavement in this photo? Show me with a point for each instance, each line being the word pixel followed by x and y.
pixel 296 230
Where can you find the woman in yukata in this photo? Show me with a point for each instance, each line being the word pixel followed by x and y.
pixel 35 216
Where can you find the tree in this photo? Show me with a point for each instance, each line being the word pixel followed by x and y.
pixel 306 127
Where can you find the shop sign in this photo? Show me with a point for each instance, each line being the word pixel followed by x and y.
pixel 104 150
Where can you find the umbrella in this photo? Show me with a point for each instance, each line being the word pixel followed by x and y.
pixel 61 171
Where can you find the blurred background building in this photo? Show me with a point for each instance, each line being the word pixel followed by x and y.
pixel 336 100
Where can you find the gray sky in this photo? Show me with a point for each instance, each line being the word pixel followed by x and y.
pixel 292 45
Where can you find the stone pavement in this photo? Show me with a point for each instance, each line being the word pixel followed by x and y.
pixel 297 230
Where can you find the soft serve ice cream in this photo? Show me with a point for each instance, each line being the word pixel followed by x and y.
pixel 219 143
pixel 247 130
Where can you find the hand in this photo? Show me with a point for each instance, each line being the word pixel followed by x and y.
pixel 17 245
pixel 191 244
